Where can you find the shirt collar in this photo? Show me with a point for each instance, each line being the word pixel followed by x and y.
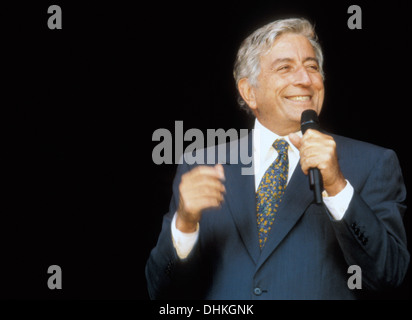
pixel 263 139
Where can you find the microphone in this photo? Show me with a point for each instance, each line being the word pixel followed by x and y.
pixel 309 120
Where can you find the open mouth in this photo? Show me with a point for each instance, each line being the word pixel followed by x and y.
pixel 299 98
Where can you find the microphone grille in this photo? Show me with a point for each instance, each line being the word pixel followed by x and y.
pixel 309 120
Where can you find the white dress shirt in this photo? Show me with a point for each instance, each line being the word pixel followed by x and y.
pixel 263 156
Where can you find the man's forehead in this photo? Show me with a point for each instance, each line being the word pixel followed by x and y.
pixel 290 42
pixel 291 47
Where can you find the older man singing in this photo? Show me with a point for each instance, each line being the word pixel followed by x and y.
pixel 261 236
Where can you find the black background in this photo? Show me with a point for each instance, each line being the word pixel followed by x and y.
pixel 80 105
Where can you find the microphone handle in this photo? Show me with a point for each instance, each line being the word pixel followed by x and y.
pixel 315 182
pixel 309 120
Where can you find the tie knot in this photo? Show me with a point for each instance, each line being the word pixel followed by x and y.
pixel 281 146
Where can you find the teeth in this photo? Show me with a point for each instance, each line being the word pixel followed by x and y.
pixel 300 98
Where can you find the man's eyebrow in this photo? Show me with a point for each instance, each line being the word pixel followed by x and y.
pixel 311 59
pixel 281 60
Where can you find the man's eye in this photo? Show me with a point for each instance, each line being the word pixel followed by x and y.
pixel 284 68
pixel 313 67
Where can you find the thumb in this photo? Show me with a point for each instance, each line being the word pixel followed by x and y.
pixel 220 170
pixel 296 140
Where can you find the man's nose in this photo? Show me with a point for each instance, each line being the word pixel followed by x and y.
pixel 302 77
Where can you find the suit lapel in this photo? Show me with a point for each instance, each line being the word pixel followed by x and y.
pixel 240 196
pixel 296 199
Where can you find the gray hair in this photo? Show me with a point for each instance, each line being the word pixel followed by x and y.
pixel 247 63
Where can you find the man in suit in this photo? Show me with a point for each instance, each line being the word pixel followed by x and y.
pixel 230 235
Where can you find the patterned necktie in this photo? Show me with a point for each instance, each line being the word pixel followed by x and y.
pixel 271 189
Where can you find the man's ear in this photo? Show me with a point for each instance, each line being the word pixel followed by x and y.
pixel 247 93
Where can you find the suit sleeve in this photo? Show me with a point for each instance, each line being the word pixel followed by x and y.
pixel 168 276
pixel 371 233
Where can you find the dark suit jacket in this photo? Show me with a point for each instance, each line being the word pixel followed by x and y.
pixel 307 253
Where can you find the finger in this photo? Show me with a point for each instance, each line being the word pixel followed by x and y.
pixel 308 163
pixel 200 175
pixel 310 151
pixel 309 159
pixel 209 203
pixel 316 136
pixel 215 171
pixel 312 133
pixel 304 167
pixel 202 186
pixel 296 140
pixel 323 147
pixel 221 171
pixel 200 204
pixel 205 192
pixel 322 161
pixel 316 144
pixel 205 181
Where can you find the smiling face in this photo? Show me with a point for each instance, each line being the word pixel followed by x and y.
pixel 289 83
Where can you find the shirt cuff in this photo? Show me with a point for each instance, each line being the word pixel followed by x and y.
pixel 338 204
pixel 182 241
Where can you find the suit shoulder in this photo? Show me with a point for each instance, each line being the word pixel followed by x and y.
pixel 361 156
pixel 359 161
pixel 350 144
